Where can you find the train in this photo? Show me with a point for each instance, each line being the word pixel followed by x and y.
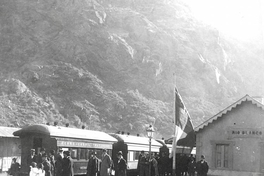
pixel 80 142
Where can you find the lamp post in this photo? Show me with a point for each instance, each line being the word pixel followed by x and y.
pixel 150 131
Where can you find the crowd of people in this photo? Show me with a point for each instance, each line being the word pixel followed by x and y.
pixel 162 165
pixel 61 164
pixel 49 164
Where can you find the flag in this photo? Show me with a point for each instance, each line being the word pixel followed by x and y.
pixel 182 120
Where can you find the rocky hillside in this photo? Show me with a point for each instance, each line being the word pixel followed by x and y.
pixel 109 64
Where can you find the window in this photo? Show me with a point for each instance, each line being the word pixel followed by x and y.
pixel 83 153
pixel 132 155
pixel 222 155
pixel 74 153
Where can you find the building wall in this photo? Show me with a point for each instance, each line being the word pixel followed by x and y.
pixel 245 150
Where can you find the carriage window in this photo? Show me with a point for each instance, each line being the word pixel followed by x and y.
pixel 74 153
pixel 83 153
pixel 132 155
pixel 136 155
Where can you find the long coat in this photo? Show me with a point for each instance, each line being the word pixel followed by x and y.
pixel 92 166
pixel 58 165
pixel 121 167
pixel 67 167
pixel 105 165
pixel 202 168
pixel 47 167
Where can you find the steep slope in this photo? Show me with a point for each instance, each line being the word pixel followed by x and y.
pixel 109 64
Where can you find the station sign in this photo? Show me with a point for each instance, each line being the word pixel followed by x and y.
pixel 245 132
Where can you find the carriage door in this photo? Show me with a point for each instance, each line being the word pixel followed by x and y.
pixel 37 144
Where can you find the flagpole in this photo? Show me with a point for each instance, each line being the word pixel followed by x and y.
pixel 175 130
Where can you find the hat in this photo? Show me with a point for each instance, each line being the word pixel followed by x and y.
pixel 44 155
pixel 32 150
pixel 120 153
pixel 60 150
pixel 66 153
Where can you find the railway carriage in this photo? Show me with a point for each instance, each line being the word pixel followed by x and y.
pixel 9 147
pixel 131 146
pixel 78 141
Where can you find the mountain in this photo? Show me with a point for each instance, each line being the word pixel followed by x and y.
pixel 109 64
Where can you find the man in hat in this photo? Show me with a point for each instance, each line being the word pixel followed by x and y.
pixel 39 156
pixel 142 153
pixel 202 167
pixel 92 166
pixel 31 158
pixel 58 163
pixel 51 159
pixel 46 164
pixel 105 164
pixel 121 167
pixel 67 167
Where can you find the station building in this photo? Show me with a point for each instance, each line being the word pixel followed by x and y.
pixel 233 139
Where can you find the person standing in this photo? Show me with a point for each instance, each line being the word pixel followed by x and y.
pixel 139 158
pixel 67 167
pixel 46 164
pixel 144 165
pixel 121 168
pixel 154 166
pixel 105 164
pixel 31 158
pixel 52 161
pixel 41 171
pixel 58 163
pixel 202 167
pixel 92 166
pixel 39 156
pixel 33 169
pixel 14 168
pixel 191 167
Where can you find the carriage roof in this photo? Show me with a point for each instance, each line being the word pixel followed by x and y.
pixel 65 132
pixel 129 139
pixel 7 131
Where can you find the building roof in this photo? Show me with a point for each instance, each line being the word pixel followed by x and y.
pixel 228 109
pixel 7 131
pixel 65 132
pixel 130 139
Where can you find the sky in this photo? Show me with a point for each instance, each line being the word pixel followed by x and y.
pixel 241 19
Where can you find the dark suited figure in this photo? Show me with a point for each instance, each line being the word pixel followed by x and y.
pixel 31 158
pixel 191 167
pixel 39 156
pixel 52 161
pixel 202 167
pixel 67 166
pixel 139 158
pixel 144 166
pixel 58 163
pixel 14 168
pixel 92 166
pixel 121 168
pixel 46 164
